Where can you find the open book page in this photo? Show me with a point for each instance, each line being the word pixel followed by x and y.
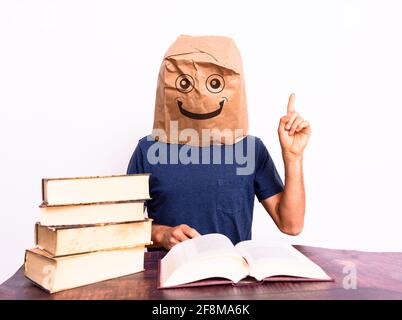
pixel 268 260
pixel 208 256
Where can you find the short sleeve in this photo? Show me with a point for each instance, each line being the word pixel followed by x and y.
pixel 136 164
pixel 267 181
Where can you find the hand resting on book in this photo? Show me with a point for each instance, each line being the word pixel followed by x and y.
pixel 167 237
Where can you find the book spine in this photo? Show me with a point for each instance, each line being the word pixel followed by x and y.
pixel 36 233
pixel 44 195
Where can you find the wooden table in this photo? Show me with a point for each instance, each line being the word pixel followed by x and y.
pixel 379 276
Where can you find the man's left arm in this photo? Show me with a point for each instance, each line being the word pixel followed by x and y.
pixel 287 208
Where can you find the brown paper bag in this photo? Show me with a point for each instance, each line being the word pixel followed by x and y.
pixel 200 96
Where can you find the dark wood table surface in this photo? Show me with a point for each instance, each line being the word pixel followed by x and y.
pixel 379 276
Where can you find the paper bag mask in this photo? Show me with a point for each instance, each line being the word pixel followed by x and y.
pixel 201 87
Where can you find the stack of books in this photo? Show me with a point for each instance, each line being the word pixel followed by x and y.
pixel 91 229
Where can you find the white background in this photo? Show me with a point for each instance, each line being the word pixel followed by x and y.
pixel 78 80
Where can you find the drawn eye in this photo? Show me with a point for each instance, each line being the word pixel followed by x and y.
pixel 184 83
pixel 215 83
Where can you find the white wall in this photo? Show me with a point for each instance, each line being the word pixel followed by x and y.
pixel 77 85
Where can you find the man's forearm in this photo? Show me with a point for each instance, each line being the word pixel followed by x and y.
pixel 292 205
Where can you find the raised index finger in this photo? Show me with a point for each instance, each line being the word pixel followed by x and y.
pixel 291 103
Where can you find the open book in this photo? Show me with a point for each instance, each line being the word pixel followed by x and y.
pixel 213 259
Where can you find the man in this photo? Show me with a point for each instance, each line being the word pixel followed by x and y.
pixel 200 180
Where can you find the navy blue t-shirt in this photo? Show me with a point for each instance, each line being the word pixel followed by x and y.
pixel 202 187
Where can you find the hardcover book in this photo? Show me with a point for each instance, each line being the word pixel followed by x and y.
pixel 60 273
pixel 69 191
pixel 102 212
pixel 212 259
pixel 61 241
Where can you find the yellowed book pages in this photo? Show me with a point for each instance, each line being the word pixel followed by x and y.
pixel 91 213
pixel 67 191
pixel 60 241
pixel 57 274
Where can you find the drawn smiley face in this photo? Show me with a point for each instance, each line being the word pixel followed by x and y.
pixel 214 83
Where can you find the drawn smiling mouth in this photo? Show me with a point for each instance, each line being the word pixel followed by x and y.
pixel 201 116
